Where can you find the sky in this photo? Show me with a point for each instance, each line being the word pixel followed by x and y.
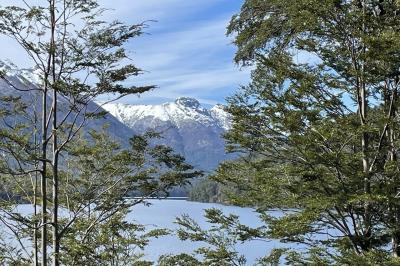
pixel 184 50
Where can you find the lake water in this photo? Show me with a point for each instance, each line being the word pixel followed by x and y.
pixel 162 213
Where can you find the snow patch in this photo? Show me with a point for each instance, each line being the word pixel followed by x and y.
pixel 25 75
pixel 183 109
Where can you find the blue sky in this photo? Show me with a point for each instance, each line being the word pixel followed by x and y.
pixel 184 52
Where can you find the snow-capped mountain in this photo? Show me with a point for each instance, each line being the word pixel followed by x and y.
pixel 178 112
pixel 26 76
pixel 22 82
pixel 192 130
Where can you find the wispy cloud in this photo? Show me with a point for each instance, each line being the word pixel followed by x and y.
pixel 185 53
pixel 210 85
pixel 194 61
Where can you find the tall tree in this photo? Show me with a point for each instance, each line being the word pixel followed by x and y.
pixel 77 57
pixel 319 127
pixel 95 193
pixel 96 180
pixel 321 112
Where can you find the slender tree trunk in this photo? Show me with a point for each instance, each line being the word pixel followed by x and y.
pixel 364 143
pixel 393 159
pixel 365 161
pixel 362 103
pixel 56 242
pixel 43 178
pixel 395 209
pixel 35 225
pixel 35 210
pixel 367 190
pixel 55 188
pixel 395 246
pixel 49 70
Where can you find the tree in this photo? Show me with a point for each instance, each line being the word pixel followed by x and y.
pixel 77 57
pixel 96 180
pixel 318 127
pixel 94 194
pixel 206 191
pixel 220 240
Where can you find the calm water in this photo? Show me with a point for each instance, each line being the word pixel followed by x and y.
pixel 162 213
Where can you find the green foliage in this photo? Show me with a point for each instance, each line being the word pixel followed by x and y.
pixel 45 160
pixel 95 192
pixel 318 128
pixel 93 46
pixel 96 181
pixel 218 242
pixel 181 259
pixel 208 190
pixel 216 190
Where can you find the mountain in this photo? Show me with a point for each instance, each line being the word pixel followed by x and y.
pixel 23 83
pixel 192 130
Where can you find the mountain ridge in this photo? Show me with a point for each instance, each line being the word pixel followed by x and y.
pixel 23 83
pixel 191 129
pixel 181 109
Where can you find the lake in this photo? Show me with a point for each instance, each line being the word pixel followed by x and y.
pixel 162 213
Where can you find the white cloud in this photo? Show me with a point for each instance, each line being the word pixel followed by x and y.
pixel 199 84
pixel 186 52
pixel 193 62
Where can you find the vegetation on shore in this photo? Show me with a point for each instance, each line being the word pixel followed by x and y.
pixel 317 127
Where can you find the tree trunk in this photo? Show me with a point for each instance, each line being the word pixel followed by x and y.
pixel 35 210
pixel 43 177
pixel 364 143
pixel 395 246
pixel 393 159
pixel 35 225
pixel 365 161
pixel 56 242
pixel 49 70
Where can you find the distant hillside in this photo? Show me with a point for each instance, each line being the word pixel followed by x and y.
pixel 26 80
pixel 192 130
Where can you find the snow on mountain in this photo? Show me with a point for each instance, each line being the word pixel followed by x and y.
pixel 178 112
pixel 21 83
pixel 27 76
pixel 192 130
pixel 221 116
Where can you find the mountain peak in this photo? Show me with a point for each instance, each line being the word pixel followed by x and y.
pixel 192 130
pixel 180 112
pixel 9 68
pixel 188 102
